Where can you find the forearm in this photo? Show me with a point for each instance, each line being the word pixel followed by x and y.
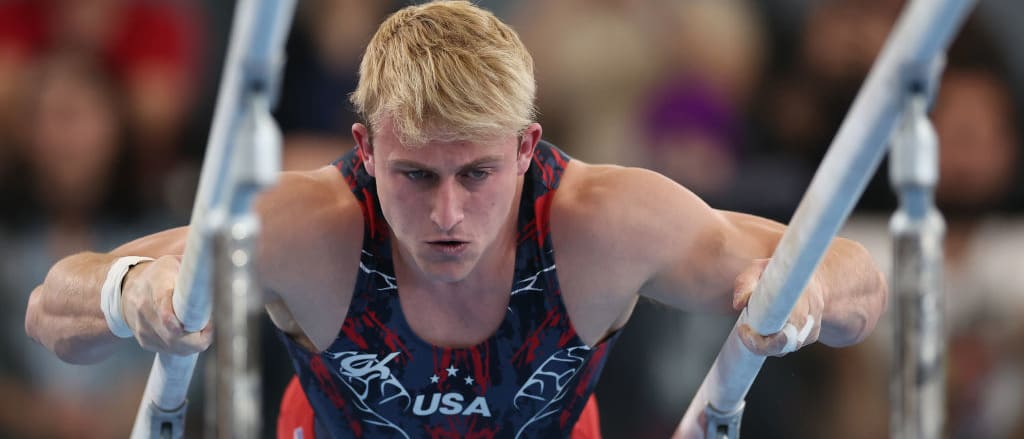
pixel 855 293
pixel 64 312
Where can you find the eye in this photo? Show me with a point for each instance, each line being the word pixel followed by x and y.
pixel 477 174
pixel 417 175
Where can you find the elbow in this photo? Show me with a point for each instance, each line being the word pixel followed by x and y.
pixel 860 320
pixel 38 331
pixel 68 352
pixel 872 308
pixel 876 299
pixel 42 331
pixel 32 315
pixel 879 301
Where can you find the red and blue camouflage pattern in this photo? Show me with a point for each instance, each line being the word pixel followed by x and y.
pixel 531 378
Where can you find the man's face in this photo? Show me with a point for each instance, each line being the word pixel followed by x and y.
pixel 448 203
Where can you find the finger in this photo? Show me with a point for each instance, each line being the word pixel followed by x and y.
pixel 798 338
pixel 166 307
pixel 763 345
pixel 207 331
pixel 195 342
pixel 163 294
pixel 746 282
pixel 205 336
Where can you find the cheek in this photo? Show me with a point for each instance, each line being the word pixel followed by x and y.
pixel 495 201
pixel 400 207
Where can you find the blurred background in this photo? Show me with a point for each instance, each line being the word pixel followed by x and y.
pixel 105 106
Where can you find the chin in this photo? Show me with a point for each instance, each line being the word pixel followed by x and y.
pixel 447 271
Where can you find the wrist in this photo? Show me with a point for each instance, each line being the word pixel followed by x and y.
pixel 110 294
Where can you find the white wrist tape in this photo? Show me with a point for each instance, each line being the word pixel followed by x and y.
pixel 795 339
pixel 110 295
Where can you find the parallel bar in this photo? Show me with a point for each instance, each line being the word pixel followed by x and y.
pixel 921 34
pixel 918 374
pixel 226 187
pixel 237 392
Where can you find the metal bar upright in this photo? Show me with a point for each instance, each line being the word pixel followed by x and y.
pixel 922 32
pixel 917 386
pixel 242 156
pixel 236 392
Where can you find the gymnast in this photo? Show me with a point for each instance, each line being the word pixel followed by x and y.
pixel 414 280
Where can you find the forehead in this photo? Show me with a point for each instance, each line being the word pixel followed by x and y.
pixel 442 152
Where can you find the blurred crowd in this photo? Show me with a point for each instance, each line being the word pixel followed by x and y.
pixel 105 106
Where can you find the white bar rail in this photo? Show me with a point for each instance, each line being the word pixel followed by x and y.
pixel 908 58
pixel 242 155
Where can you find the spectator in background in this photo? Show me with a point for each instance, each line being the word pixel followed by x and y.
pixel 73 136
pixel 73 133
pixel 94 95
pixel 151 48
pixel 695 116
pixel 980 165
pixel 324 49
pixel 593 65
pixel 807 98
pixel 840 41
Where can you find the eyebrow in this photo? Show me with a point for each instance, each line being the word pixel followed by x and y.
pixel 403 163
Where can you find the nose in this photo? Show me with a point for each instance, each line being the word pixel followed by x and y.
pixel 446 212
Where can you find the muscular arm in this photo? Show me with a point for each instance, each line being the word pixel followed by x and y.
pixel 712 248
pixel 661 239
pixel 64 311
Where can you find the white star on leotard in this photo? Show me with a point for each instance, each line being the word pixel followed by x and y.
pixel 469 380
pixel 452 371
pixel 434 379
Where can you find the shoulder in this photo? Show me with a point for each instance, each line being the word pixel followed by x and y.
pixel 308 218
pixel 602 186
pixel 614 228
pixel 312 200
pixel 310 241
pixel 323 187
pixel 629 216
pixel 311 203
pixel 617 201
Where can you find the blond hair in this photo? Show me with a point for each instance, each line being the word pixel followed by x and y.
pixel 446 70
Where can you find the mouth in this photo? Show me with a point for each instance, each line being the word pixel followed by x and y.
pixel 448 247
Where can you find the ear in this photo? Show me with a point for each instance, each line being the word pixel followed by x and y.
pixel 361 134
pixel 527 144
